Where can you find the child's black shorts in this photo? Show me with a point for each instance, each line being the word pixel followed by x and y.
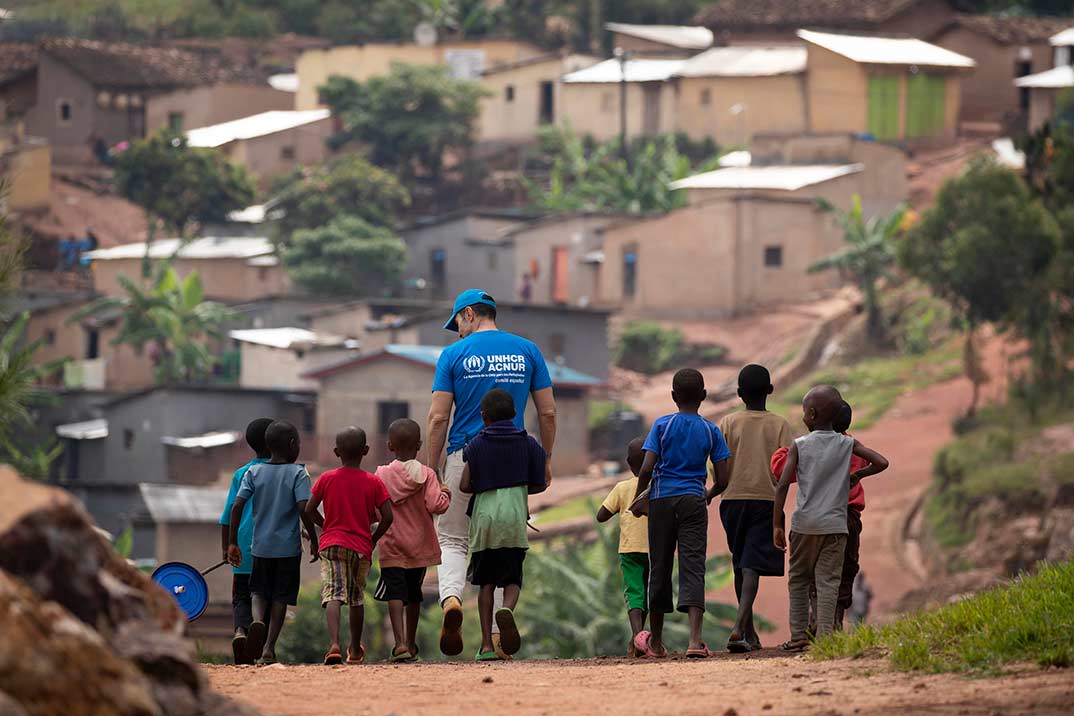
pixel 399 583
pixel 748 524
pixel 500 567
pixel 277 578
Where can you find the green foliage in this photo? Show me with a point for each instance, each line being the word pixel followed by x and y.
pixel 648 347
pixel 409 118
pixel 869 256
pixel 1027 620
pixel 583 176
pixel 125 543
pixel 347 257
pixel 347 186
pixel 182 186
pixel 172 318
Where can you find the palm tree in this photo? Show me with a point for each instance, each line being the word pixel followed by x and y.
pixel 869 255
pixel 172 319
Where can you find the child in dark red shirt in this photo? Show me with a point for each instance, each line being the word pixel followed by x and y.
pixel 855 506
pixel 351 498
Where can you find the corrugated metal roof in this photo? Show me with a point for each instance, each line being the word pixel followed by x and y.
pixel 688 37
pixel 256 125
pixel 284 82
pixel 180 503
pixel 637 70
pixel 217 438
pixel 784 177
pixel 746 61
pixel 1055 78
pixel 285 337
pixel 737 158
pixel 209 247
pixel 1060 39
pixel 886 50
pixel 86 430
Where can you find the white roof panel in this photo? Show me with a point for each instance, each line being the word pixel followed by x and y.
pixel 86 430
pixel 738 158
pixel 284 82
pixel 209 247
pixel 182 503
pixel 637 70
pixel 684 36
pixel 284 337
pixel 780 177
pixel 206 440
pixel 746 61
pixel 1060 39
pixel 256 125
pixel 1055 78
pixel 886 50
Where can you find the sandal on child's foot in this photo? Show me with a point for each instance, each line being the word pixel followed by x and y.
pixel 334 657
pixel 510 639
pixel 739 646
pixel 400 657
pixel 487 656
pixel 701 653
pixel 354 659
pixel 798 645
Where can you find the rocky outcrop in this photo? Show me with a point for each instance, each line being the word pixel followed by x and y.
pixel 81 630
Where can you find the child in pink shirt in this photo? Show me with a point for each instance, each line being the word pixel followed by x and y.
pixel 411 545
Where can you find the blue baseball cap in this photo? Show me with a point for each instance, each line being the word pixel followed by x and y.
pixel 469 297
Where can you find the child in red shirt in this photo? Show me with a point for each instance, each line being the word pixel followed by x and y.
pixel 411 545
pixel 351 498
pixel 855 506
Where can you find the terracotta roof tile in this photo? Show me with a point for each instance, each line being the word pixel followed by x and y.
pixel 1014 30
pixel 732 14
pixel 16 59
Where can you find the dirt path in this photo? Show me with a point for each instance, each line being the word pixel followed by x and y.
pixel 765 683
pixel 909 434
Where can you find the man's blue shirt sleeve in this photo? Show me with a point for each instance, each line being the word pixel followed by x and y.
pixel 652 442
pixel 541 379
pixel 246 487
pixel 444 381
pixel 225 517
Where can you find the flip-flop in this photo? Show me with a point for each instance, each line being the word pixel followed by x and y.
pixel 238 649
pixel 487 656
pixel 361 656
pixel 739 646
pixel 794 646
pixel 510 639
pixel 402 658
pixel 641 643
pixel 451 631
pixel 255 641
pixel 702 653
pixel 334 657
pixel 266 661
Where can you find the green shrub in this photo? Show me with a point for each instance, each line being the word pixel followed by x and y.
pixel 648 347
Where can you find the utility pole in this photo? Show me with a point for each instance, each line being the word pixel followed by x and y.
pixel 623 56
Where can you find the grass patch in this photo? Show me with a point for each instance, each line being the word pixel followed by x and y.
pixel 1032 619
pixel 872 386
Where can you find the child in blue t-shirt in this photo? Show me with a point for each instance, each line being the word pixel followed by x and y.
pixel 671 490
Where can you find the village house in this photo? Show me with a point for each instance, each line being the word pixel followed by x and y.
pixel 1004 48
pixel 729 94
pixel 896 89
pixel 744 21
pixel 91 94
pixel 372 391
pixel 751 232
pixel 270 143
pixel 1049 91
pixel 279 358
pixel 18 78
pixel 467 59
pixel 659 40
pixel 232 269
pixel 524 96
pixel 25 168
pixel 591 97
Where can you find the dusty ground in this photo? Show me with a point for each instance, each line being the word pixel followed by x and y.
pixel 766 683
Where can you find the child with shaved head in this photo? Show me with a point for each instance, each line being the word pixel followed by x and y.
pixel 351 498
pixel 411 545
pixel 818 535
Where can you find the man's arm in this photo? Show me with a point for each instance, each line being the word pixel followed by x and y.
pixel 464 483
pixel 312 512
pixel 645 476
pixel 234 554
pixel 545 403
pixel 437 427
pixel 779 531
pixel 604 514
pixel 386 519
pixel 311 529
pixel 225 538
pixel 721 479
pixel 877 463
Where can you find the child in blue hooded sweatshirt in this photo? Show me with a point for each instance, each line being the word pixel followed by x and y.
pixel 502 466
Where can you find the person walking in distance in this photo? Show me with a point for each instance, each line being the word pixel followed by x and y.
pixel 483 359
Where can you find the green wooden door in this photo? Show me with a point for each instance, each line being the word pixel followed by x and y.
pixel 926 105
pixel 883 110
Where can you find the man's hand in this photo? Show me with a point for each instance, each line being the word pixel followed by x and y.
pixel 779 537
pixel 640 506
pixel 445 489
pixel 234 555
pixel 712 494
pixel 315 550
pixel 548 473
pixel 855 478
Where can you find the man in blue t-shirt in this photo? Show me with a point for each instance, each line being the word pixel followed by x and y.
pixel 241 609
pixel 484 358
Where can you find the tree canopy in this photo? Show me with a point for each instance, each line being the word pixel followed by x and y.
pixel 180 185
pixel 347 257
pixel 409 118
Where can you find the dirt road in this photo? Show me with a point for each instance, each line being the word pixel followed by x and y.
pixel 765 683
